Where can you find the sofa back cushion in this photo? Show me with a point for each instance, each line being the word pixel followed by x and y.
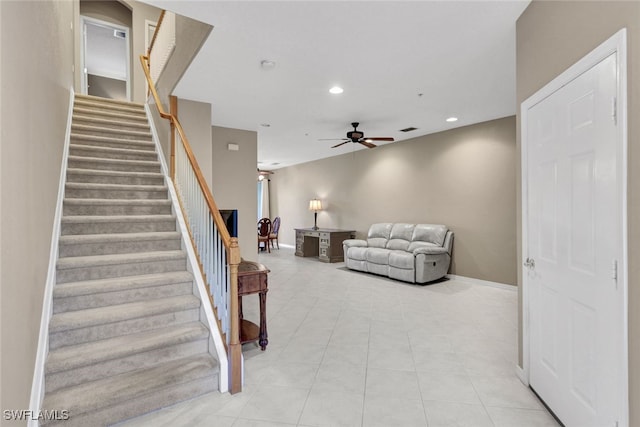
pixel 428 234
pixel 379 235
pixel 400 236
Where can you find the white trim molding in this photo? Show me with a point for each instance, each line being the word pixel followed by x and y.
pixel 616 44
pixel 37 385
pixel 504 286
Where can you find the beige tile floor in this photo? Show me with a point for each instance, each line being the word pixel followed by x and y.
pixel 352 349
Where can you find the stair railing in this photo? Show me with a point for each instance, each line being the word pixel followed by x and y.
pixel 218 253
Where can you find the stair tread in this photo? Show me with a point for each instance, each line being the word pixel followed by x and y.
pixel 100 99
pixel 87 287
pixel 117 259
pixel 102 172
pixel 113 150
pixel 153 202
pixel 115 218
pixel 102 186
pixel 135 109
pixel 111 391
pixel 117 161
pixel 82 118
pixel 122 116
pixel 116 237
pixel 70 320
pixel 75 356
pixel 99 138
pixel 93 128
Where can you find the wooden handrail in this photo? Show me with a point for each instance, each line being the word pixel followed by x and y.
pixel 222 228
pixel 155 33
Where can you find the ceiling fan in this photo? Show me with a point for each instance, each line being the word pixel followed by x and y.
pixel 357 136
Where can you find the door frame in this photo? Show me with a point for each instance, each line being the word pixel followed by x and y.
pixel 83 51
pixel 616 44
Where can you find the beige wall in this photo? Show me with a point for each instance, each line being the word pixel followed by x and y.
pixel 551 36
pixel 464 178
pixel 234 182
pixel 36 77
pixel 195 118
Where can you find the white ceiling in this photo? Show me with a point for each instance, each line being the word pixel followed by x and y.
pixel 106 54
pixel 459 55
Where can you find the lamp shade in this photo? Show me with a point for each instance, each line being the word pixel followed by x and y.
pixel 315 205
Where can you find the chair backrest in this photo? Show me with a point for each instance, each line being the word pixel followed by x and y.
pixel 276 225
pixel 264 227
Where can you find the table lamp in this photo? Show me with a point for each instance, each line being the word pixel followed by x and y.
pixel 315 205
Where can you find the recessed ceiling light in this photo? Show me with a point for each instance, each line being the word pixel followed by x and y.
pixel 452 119
pixel 336 90
pixel 266 64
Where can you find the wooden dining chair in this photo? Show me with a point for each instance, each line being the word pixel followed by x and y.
pixel 273 236
pixel 264 229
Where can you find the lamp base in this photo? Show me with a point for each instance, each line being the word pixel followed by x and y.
pixel 315 227
pixel 315 221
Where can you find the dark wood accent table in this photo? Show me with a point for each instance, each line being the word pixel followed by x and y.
pixel 252 278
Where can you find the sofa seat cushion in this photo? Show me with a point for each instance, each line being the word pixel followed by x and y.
pixel 378 255
pixel 357 253
pixel 402 259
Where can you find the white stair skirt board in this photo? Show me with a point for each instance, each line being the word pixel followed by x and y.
pixel 37 385
pixel 193 264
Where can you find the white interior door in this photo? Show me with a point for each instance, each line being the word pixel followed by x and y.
pixel 574 248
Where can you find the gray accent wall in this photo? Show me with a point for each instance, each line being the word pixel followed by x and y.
pixel 463 178
pixel 36 76
pixel 551 36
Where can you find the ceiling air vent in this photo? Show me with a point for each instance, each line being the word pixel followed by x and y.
pixel 119 34
pixel 408 129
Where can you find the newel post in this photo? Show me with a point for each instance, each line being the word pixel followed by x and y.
pixel 235 349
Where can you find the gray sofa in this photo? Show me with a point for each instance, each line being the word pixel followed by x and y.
pixel 416 253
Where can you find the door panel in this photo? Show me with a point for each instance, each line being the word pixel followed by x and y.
pixel 573 230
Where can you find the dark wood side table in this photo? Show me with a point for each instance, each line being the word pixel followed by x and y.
pixel 252 278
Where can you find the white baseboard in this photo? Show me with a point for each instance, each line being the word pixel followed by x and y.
pixel 471 280
pixel 522 375
pixel 37 385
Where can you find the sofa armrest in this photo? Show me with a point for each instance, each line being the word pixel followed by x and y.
pixel 353 243
pixel 430 250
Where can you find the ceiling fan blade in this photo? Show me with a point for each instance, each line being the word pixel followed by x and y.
pixel 379 138
pixel 368 144
pixel 338 145
pixel 333 139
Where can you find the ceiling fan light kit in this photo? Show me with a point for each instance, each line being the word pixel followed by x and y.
pixel 357 137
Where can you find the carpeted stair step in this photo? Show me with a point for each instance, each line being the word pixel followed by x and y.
pixel 108 122
pixel 76 162
pixel 79 190
pixel 125 153
pixel 94 324
pixel 74 269
pixel 107 141
pixel 106 244
pixel 85 224
pixel 116 207
pixel 111 101
pixel 124 117
pixel 132 109
pixel 111 132
pixel 114 399
pixel 74 296
pixel 72 365
pixel 114 177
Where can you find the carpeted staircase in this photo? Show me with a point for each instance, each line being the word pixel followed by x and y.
pixel 125 337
